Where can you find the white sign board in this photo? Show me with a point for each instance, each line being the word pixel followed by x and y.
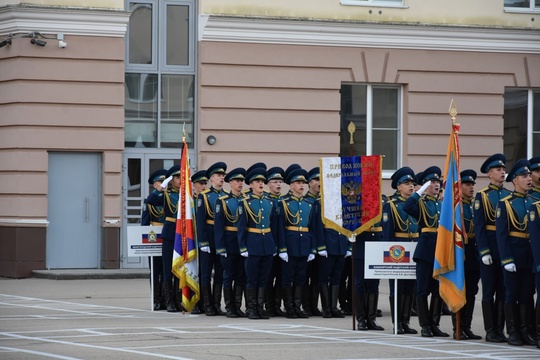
pixel 144 240
pixel 390 260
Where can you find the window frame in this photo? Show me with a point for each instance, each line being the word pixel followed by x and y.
pixel 163 38
pixel 386 174
pixel 130 67
pixel 532 9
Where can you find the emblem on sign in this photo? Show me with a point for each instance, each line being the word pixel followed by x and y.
pixel 351 191
pixel 152 236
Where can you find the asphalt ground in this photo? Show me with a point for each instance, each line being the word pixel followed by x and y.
pixel 111 319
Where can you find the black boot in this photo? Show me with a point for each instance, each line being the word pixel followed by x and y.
pixel 288 302
pixel 238 294
pixel 391 299
pixel 306 298
pixel 499 324
pixel 511 314
pixel 360 311
pixel 525 315
pixel 217 290
pixel 334 296
pixel 435 310
pixel 314 301
pixel 230 308
pixel 372 302
pixel 538 327
pixel 297 302
pixel 158 296
pixel 344 304
pixel 423 316
pixel 177 295
pixel 252 303
pixel 489 314
pixel 466 319
pixel 269 303
pixel 207 302
pixel 261 296
pixel 407 309
pixel 326 311
pixel 462 335
pixel 169 296
pixel 278 295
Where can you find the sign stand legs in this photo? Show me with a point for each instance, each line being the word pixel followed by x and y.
pixel 151 283
pixel 395 305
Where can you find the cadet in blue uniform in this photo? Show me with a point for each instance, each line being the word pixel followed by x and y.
pixel 208 258
pixel 153 215
pixel 516 258
pixel 274 291
pixel 168 199
pixel 400 226
pixel 296 241
pixel 426 210
pixel 257 225
pixel 333 248
pixel 485 205
pixel 534 232
pixel 311 287
pixel 199 181
pixel 226 238
pixel 534 193
pixel 366 290
pixel 472 264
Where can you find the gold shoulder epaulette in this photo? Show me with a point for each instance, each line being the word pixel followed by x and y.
pixel 223 197
pixel 226 192
pixel 506 198
pixel 205 191
pixel 484 189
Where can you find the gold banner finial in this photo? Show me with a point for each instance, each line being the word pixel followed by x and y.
pixel 184 133
pixel 351 128
pixel 453 111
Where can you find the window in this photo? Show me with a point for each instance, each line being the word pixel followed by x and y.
pixel 375 111
pixel 382 3
pixel 522 4
pixel 160 73
pixel 521 124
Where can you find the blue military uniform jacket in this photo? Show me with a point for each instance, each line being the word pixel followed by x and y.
pixel 297 226
pixel 397 224
pixel 206 202
pixel 471 250
pixel 375 233
pixel 257 225
pixel 226 224
pixel 426 211
pixel 512 232
pixel 534 193
pixel 534 232
pixel 168 199
pixel 485 205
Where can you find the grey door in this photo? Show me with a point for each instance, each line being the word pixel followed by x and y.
pixel 74 211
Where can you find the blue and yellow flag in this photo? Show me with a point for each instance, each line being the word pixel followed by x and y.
pixel 184 264
pixel 449 267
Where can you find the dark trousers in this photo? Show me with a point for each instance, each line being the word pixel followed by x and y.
pixel 492 281
pixel 210 261
pixel 425 283
pixel 294 271
pixel 167 248
pixel 537 282
pixel 233 270
pixel 331 269
pixel 519 286
pixel 157 265
pixel 258 270
pixel 404 287
pixel 361 285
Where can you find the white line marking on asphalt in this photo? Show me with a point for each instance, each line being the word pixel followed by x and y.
pixel 15 350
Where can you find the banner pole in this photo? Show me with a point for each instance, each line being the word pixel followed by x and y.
pixel 395 305
pixel 152 283
pixel 351 128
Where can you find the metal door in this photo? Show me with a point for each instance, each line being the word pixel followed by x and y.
pixel 74 211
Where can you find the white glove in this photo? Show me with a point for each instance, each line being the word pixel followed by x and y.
pixel 244 254
pixel 310 257
pixel 323 253
pixel 348 253
pixel 284 256
pixel 487 260
pixel 165 182
pixel 423 188
pixel 205 249
pixel 510 267
pixel 224 254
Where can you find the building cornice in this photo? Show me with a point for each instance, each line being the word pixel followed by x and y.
pixel 369 35
pixel 69 21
